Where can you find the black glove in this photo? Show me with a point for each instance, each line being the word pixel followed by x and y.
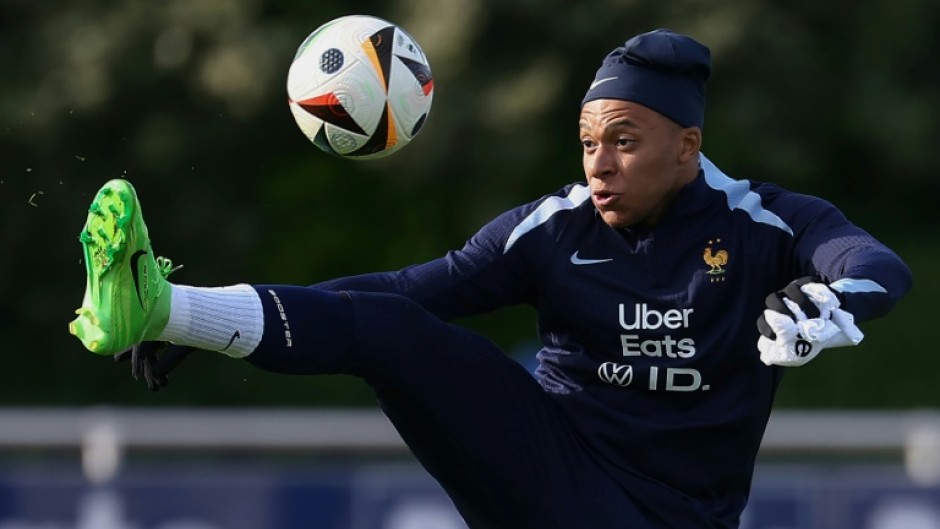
pixel 153 361
pixel 774 302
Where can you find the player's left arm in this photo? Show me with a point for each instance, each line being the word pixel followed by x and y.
pixel 868 277
pixel 839 274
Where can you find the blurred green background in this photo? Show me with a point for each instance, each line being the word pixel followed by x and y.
pixel 187 99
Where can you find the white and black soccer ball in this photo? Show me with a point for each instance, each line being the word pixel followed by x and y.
pixel 360 87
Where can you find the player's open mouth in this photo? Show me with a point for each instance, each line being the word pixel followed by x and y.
pixel 604 198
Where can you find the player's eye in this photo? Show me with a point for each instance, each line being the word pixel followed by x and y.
pixel 588 144
pixel 625 142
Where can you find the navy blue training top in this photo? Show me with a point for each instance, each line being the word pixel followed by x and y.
pixel 649 337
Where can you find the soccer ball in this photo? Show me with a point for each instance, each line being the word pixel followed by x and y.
pixel 360 87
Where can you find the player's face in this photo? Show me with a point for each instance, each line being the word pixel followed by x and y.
pixel 635 160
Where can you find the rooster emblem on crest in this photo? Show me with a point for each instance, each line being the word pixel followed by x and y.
pixel 715 260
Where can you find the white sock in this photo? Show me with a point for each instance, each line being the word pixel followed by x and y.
pixel 229 320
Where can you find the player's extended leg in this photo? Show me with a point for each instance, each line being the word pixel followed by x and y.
pixel 481 425
pixel 476 419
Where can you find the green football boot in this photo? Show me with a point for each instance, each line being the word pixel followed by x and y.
pixel 127 296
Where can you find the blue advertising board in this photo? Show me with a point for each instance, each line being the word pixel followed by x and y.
pixel 402 496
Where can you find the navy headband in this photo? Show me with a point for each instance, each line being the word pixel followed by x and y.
pixel 661 70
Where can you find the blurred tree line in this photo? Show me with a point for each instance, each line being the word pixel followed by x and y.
pixel 187 99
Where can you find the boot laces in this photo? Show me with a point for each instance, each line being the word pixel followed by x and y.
pixel 165 266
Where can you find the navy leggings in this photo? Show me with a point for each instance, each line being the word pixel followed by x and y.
pixel 500 446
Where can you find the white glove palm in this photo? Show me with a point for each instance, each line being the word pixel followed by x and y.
pixel 790 337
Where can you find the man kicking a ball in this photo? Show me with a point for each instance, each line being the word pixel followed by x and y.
pixel 654 384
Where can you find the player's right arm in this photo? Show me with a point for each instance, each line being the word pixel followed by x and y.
pixel 474 279
pixel 463 282
pixel 497 267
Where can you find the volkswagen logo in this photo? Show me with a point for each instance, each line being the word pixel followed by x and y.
pixel 616 374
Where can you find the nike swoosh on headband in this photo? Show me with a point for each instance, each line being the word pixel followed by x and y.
pixel 600 82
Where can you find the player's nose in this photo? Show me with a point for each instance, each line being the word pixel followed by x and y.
pixel 601 163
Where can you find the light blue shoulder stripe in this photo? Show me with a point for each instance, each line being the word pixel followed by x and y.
pixel 851 286
pixel 740 195
pixel 540 215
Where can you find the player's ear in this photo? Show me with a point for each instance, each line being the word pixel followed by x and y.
pixel 690 143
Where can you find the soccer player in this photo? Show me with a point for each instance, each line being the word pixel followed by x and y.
pixel 651 395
